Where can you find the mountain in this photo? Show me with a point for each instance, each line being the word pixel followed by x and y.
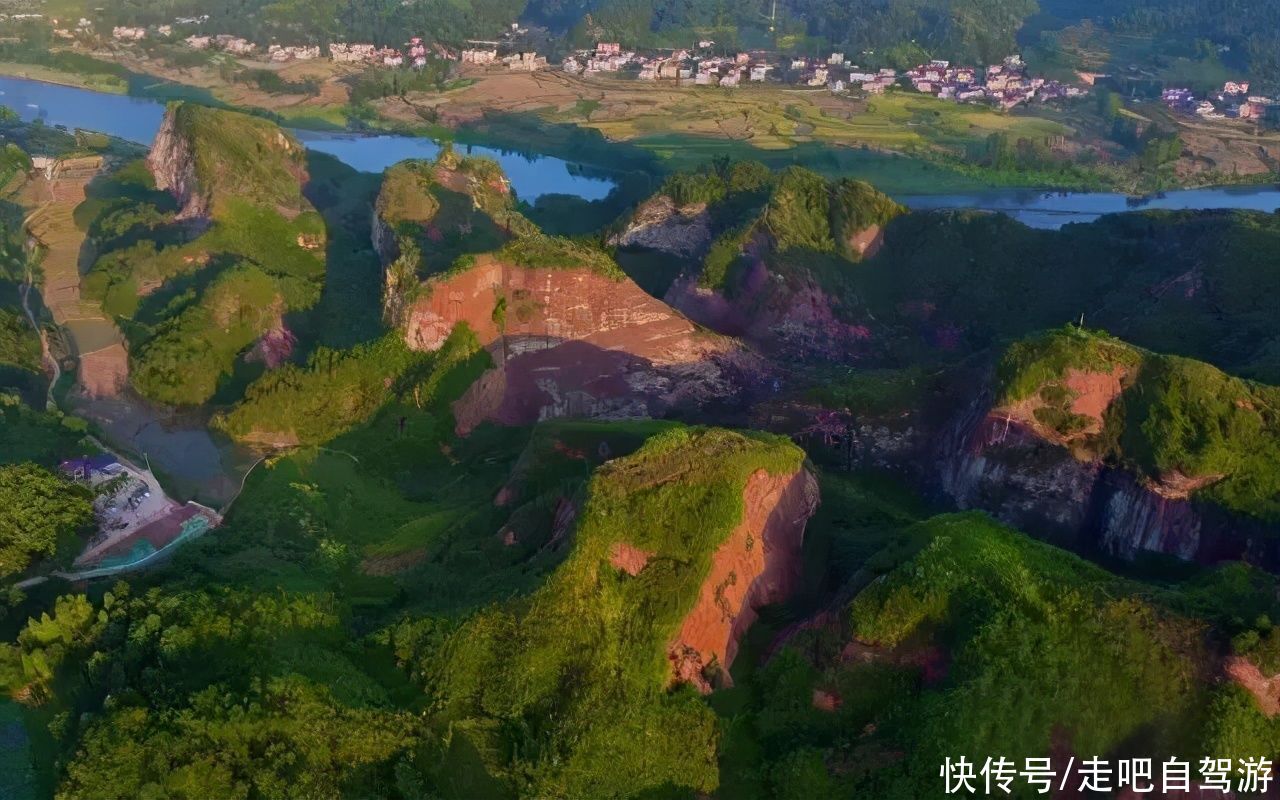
pixel 756 247
pixel 206 252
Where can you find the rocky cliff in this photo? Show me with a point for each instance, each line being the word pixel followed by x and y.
pixel 574 342
pixel 787 315
pixel 660 225
pixel 1080 451
pixel 758 565
pixel 203 156
pixel 172 162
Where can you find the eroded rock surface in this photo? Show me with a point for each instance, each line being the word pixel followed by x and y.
pixel 756 566
pixel 572 342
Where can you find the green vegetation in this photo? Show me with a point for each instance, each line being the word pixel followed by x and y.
pixel 239 156
pixel 996 600
pixel 191 305
pixel 1179 422
pixel 678 497
pixel 338 390
pixel 798 209
pixel 440 212
pixel 539 251
pixel 34 436
pixel 40 516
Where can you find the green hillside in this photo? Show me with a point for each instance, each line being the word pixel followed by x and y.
pixel 192 299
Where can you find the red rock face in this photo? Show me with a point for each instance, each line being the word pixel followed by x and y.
pixel 572 343
pixel 756 566
pixel 794 318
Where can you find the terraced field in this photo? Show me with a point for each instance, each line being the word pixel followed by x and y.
pixel 97 342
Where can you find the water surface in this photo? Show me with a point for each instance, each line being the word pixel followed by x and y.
pixel 137 119
pixel 1052 210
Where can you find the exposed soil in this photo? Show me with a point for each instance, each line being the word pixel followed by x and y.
pixel 103 360
pixel 629 559
pixel 1094 392
pixel 1265 690
pixel 757 565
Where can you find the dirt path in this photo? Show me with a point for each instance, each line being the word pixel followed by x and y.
pixel 50 363
pixel 97 342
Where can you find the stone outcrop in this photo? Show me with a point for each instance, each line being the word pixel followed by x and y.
pixel 172 162
pixel 989 459
pixel 660 225
pixel 756 566
pixel 573 342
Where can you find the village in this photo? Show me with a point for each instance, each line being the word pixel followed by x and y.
pixel 1234 101
pixel 1003 86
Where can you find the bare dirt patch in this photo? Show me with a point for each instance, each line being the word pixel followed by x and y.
pixel 628 558
pixel 1265 690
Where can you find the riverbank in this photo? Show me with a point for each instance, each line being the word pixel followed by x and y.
pixel 95 83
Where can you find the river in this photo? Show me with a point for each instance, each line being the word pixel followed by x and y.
pixel 137 119
pixel 1052 210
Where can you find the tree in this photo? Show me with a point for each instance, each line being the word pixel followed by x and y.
pixel 38 512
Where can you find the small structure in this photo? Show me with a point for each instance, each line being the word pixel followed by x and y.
pixel 125 34
pixel 352 53
pixel 479 57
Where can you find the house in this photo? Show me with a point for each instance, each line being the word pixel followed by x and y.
pixel 479 57
pixel 392 59
pixel 730 80
pixel 571 66
pixel 199 42
pixel 525 62
pixel 234 44
pixel 759 72
pixel 649 72
pixel 417 49
pixel 819 77
pixel 837 86
pixel 165 30
pixel 606 49
pixel 1233 88
pixel 835 59
pixel 742 59
pixel 704 44
pixel 799 64
pixel 671 68
pixel 705 79
pixel 123 34
pixel 352 53
pixel 282 54
pixel 861 77
pixel 873 87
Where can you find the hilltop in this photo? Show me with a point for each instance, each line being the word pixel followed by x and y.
pixel 206 251
pixel 731 227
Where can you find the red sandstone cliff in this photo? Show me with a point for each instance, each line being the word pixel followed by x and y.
pixel 757 565
pixel 572 342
